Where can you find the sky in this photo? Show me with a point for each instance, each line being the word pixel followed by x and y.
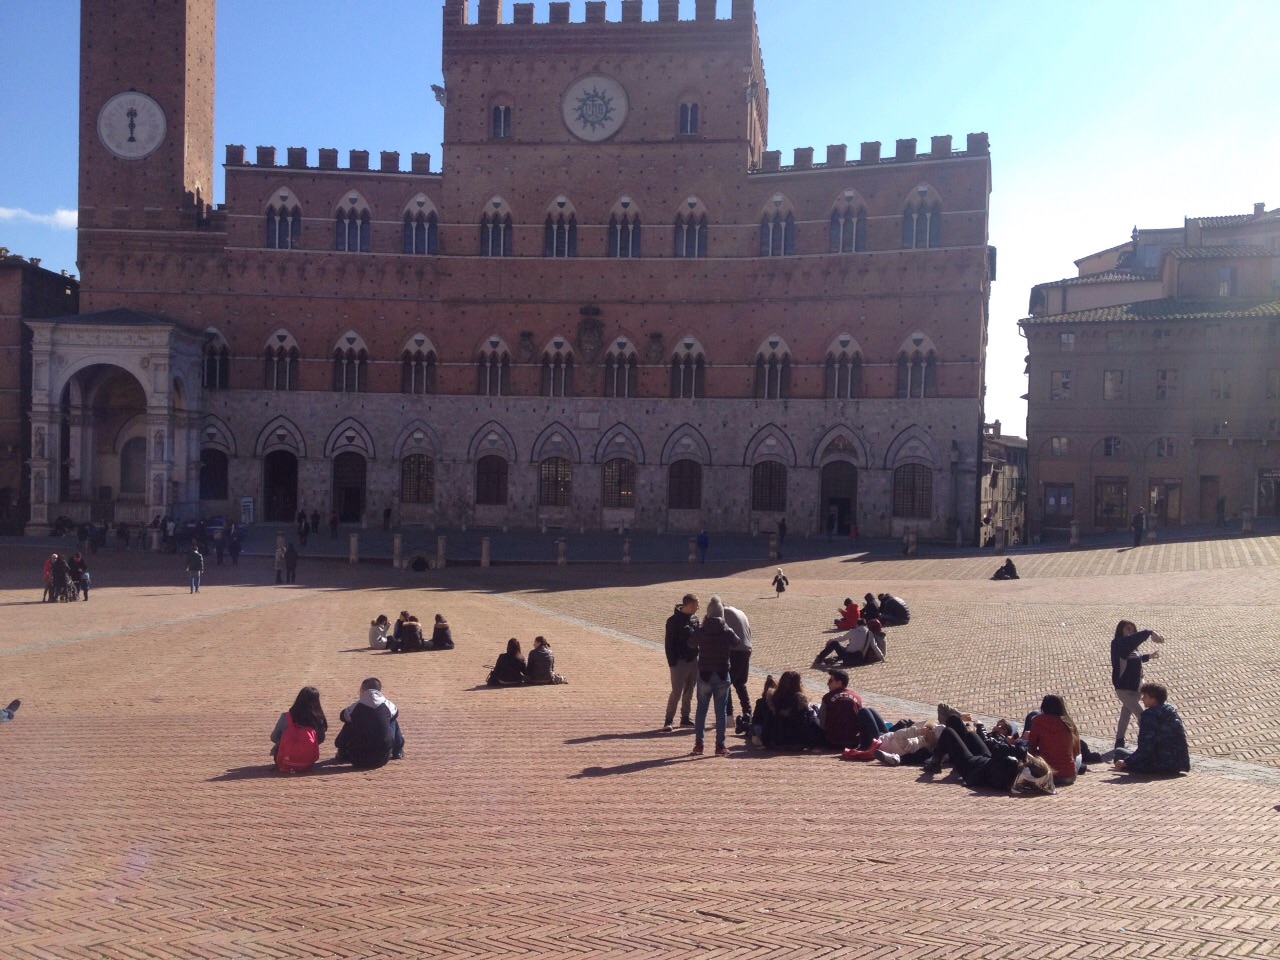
pixel 1102 115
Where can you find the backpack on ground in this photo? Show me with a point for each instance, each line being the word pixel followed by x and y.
pixel 299 747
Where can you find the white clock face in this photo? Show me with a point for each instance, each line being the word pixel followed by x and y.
pixel 595 108
pixel 131 125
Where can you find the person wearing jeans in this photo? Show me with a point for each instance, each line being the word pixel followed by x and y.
pixel 682 661
pixel 195 567
pixel 714 640
pixel 1126 671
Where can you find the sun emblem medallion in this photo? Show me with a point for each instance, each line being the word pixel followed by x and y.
pixel 595 107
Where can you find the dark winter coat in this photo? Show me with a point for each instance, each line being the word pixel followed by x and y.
pixel 714 639
pixel 1162 742
pixel 680 627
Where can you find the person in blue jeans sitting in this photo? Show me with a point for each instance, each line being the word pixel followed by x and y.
pixel 713 639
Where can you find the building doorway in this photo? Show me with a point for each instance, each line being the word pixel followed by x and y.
pixel 839 498
pixel 1164 502
pixel 348 487
pixel 280 486
pixel 1209 497
pixel 1269 493
pixel 1111 502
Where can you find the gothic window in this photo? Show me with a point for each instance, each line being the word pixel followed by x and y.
pixel 624 235
pixel 495 230
pixel 417 479
pixel 284 225
pixel 843 374
pixel 418 372
pixel 350 370
pixel 351 226
pixel 917 375
pixel 769 487
pixel 493 372
pixel 500 128
pixel 282 360
pixel 421 233
pixel 557 370
pixel 684 485
pixel 777 235
pixel 691 235
pixel 689 119
pixel 848 228
pixel 555 482
pixel 913 492
pixel 773 371
pixel 1112 447
pixel 620 370
pixel 619 484
pixel 922 221
pixel 491 481
pixel 560 235
pixel 217 364
pixel 688 372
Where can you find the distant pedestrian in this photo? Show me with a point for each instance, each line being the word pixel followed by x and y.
pixel 303 529
pixel 782 532
pixel 1126 671
pixel 290 563
pixel 703 543
pixel 279 564
pixel 333 525
pixel 195 567
pixel 78 570
pixel 220 544
pixel 315 521
pixel 682 660
pixel 780 583
pixel 233 545
pixel 1139 524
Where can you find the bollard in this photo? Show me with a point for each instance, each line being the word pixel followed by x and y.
pixel 439 553
pixel 1075 533
pixel 397 541
pixel 155 541
pixel 562 551
pixel 959 537
pixel 998 533
pixel 626 550
pixel 353 553
pixel 913 542
pixel 693 549
pixel 773 548
pixel 1246 520
pixel 484 551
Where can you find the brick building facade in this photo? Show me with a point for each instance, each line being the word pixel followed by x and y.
pixel 611 306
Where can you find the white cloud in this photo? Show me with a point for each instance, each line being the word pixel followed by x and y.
pixel 60 219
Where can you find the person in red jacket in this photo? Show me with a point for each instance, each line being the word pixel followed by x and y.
pixel 844 720
pixel 849 615
pixel 1053 736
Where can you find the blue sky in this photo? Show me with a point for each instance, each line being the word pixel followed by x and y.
pixel 1102 115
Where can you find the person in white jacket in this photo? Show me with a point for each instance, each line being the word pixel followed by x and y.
pixel 740 662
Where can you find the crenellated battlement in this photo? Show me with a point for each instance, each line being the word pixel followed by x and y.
pixel 976 145
pixel 357 160
pixel 490 13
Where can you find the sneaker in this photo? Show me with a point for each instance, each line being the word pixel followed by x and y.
pixel 13 707
pixel 888 759
pixel 945 711
pixel 397 755
pixel 756 741
pixel 932 766
pixel 696 751
pixel 667 728
pixel 686 722
pixel 722 750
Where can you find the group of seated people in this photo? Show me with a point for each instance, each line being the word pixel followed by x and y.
pixel 406 635
pixel 1048 752
pixel 891 611
pixel 370 734
pixel 512 669
pixel 865 641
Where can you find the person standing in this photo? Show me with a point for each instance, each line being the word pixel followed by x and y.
pixel 79 571
pixel 386 518
pixel 220 544
pixel 195 567
pixel 315 522
pixel 740 661
pixel 333 525
pixel 780 583
pixel 1126 671
pixel 682 660
pixel 704 542
pixel 279 564
pixel 714 641
pixel 1139 524
pixel 233 545
pixel 290 563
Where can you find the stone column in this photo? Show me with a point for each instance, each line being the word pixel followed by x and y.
pixel 484 551
pixel 1075 533
pixel 353 550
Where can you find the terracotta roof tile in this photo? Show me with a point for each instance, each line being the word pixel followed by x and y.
pixel 1109 276
pixel 1214 253
pixel 1161 311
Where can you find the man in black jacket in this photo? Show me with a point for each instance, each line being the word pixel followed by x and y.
pixel 682 660
pixel 370 734
pixel 893 611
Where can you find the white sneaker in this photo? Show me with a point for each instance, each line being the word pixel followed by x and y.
pixel 888 759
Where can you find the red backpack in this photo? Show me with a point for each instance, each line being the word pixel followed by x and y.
pixel 299 747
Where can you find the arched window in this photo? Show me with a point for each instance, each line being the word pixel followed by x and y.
pixel 848 227
pixel 283 222
pixel 213 474
pixel 418 372
pixel 421 233
pixel 350 364
pixel 557 369
pixel 844 375
pixel 619 484
pixel 773 371
pixel 917 375
pixel 560 235
pixel 684 485
pixel 495 230
pixel 688 372
pixel 555 482
pixel 691 234
pixel 769 486
pixel 500 122
pixel 922 221
pixel 913 492
pixel 620 370
pixel 777 235
pixel 282 361
pixel 493 371
pixel 624 230
pixel 418 479
pixel 491 482
pixel 217 364
pixel 689 119
pixel 351 226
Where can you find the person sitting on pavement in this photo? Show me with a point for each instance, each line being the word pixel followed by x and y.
pixel 299 732
pixel 510 669
pixel 378 632
pixel 870 607
pixel 849 616
pixel 865 643
pixel 542 664
pixel 714 640
pixel 973 757
pixel 441 635
pixel 845 721
pixel 893 611
pixel 1007 572
pixel 370 734
pixel 1162 739
pixel 1052 734
pixel 783 717
pixel 904 742
pixel 411 638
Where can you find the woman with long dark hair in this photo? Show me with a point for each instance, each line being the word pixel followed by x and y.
pixel 511 668
pixel 299 732
pixel 1054 736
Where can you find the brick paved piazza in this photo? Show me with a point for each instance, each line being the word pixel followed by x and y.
pixel 137 819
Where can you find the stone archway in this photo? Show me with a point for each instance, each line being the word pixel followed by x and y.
pixel 838 500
